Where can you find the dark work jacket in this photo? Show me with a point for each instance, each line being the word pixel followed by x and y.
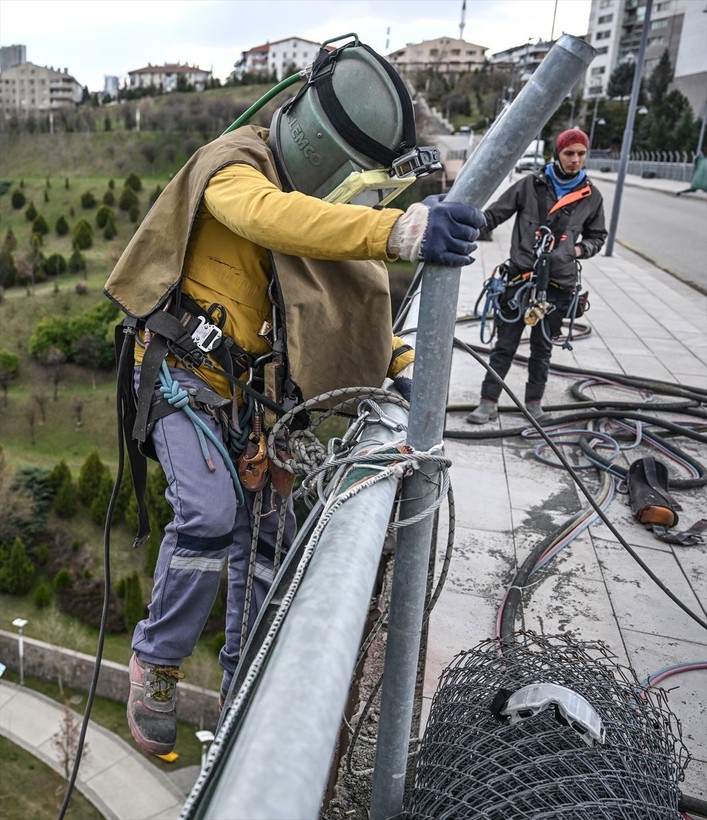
pixel 585 226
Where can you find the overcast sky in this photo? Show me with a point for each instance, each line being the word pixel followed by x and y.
pixel 92 38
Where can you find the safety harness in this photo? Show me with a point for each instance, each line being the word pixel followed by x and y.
pixel 193 336
pixel 530 298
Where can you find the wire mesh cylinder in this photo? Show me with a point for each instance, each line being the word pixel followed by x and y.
pixel 472 764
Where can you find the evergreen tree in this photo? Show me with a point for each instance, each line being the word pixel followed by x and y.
pixel 16 569
pixel 110 231
pixel 66 502
pixel 77 262
pixel 62 226
pixel 91 474
pixel 18 200
pixel 39 226
pixel 42 595
pixel 31 212
pixel 133 181
pixel 59 475
pixel 10 241
pixel 660 79
pixel 8 269
pixel 83 236
pixel 133 605
pixel 101 500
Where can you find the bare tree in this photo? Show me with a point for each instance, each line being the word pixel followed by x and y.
pixel 31 421
pixel 40 398
pixel 66 740
pixel 77 406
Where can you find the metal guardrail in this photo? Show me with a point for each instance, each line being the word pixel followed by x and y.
pixel 677 165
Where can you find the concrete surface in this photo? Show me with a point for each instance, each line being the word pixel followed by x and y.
pixel 643 323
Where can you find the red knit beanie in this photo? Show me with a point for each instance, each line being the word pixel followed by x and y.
pixel 571 137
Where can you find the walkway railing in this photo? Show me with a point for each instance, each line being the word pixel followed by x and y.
pixel 677 165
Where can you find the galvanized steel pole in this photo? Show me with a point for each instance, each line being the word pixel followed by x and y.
pixel 279 762
pixel 477 181
pixel 628 132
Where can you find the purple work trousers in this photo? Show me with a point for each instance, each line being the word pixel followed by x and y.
pixel 208 530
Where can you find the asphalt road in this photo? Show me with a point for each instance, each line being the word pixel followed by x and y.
pixel 669 230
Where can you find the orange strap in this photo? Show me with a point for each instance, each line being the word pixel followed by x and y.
pixel 572 196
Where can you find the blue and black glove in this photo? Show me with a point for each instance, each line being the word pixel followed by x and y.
pixel 437 231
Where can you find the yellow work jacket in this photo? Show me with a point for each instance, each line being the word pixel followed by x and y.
pixel 242 228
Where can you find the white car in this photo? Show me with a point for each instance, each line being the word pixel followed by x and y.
pixel 530 163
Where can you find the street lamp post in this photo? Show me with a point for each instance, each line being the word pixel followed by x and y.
pixel 21 623
pixel 204 736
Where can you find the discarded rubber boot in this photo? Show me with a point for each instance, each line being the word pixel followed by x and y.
pixel 535 410
pixel 486 411
pixel 152 705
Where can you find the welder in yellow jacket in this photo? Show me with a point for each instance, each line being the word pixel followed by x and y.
pixel 256 253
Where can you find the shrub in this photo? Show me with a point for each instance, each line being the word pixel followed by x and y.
pixel 80 288
pixel 8 269
pixel 91 475
pixel 18 199
pixel 59 475
pixel 55 265
pixel 31 212
pixel 134 213
pixel 110 230
pixel 133 605
pixel 85 601
pixel 62 226
pixel 42 595
pixel 128 199
pixel 39 226
pixel 10 241
pixel 109 198
pixel 83 236
pixel 16 569
pixel 63 579
pixel 66 502
pixel 88 200
pixel 101 500
pixel 133 181
pixel 77 262
pixel 103 214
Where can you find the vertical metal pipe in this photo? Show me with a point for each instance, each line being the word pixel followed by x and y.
pixel 628 133
pixel 479 178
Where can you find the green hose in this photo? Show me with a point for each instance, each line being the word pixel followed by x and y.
pixel 246 115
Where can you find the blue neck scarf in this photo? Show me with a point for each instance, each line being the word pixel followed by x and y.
pixel 562 183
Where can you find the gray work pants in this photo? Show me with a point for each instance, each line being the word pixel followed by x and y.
pixel 208 530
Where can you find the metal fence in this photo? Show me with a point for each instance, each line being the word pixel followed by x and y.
pixel 678 165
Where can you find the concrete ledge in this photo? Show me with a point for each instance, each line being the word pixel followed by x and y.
pixel 42 660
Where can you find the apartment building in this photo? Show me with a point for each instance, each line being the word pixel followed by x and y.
pixel 526 57
pixel 680 26
pixel 281 58
pixel 444 54
pixel 12 55
pixel 169 77
pixel 32 89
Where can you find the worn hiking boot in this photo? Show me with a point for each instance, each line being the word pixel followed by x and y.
pixel 535 409
pixel 152 705
pixel 486 411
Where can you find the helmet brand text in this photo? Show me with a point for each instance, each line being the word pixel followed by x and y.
pixel 303 143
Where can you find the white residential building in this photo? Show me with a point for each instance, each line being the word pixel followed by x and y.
pixel 281 58
pixel 680 26
pixel 166 77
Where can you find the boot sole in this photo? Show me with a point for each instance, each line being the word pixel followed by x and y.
pixel 150 746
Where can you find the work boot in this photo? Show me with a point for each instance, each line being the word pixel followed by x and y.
pixel 152 705
pixel 535 409
pixel 486 411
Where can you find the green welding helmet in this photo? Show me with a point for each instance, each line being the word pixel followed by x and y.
pixel 354 116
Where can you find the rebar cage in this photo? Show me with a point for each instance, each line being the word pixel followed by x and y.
pixel 474 764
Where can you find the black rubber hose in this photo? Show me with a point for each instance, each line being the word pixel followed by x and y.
pixel 692 805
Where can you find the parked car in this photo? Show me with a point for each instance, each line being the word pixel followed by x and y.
pixel 530 163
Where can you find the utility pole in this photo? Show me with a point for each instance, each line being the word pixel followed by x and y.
pixel 628 132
